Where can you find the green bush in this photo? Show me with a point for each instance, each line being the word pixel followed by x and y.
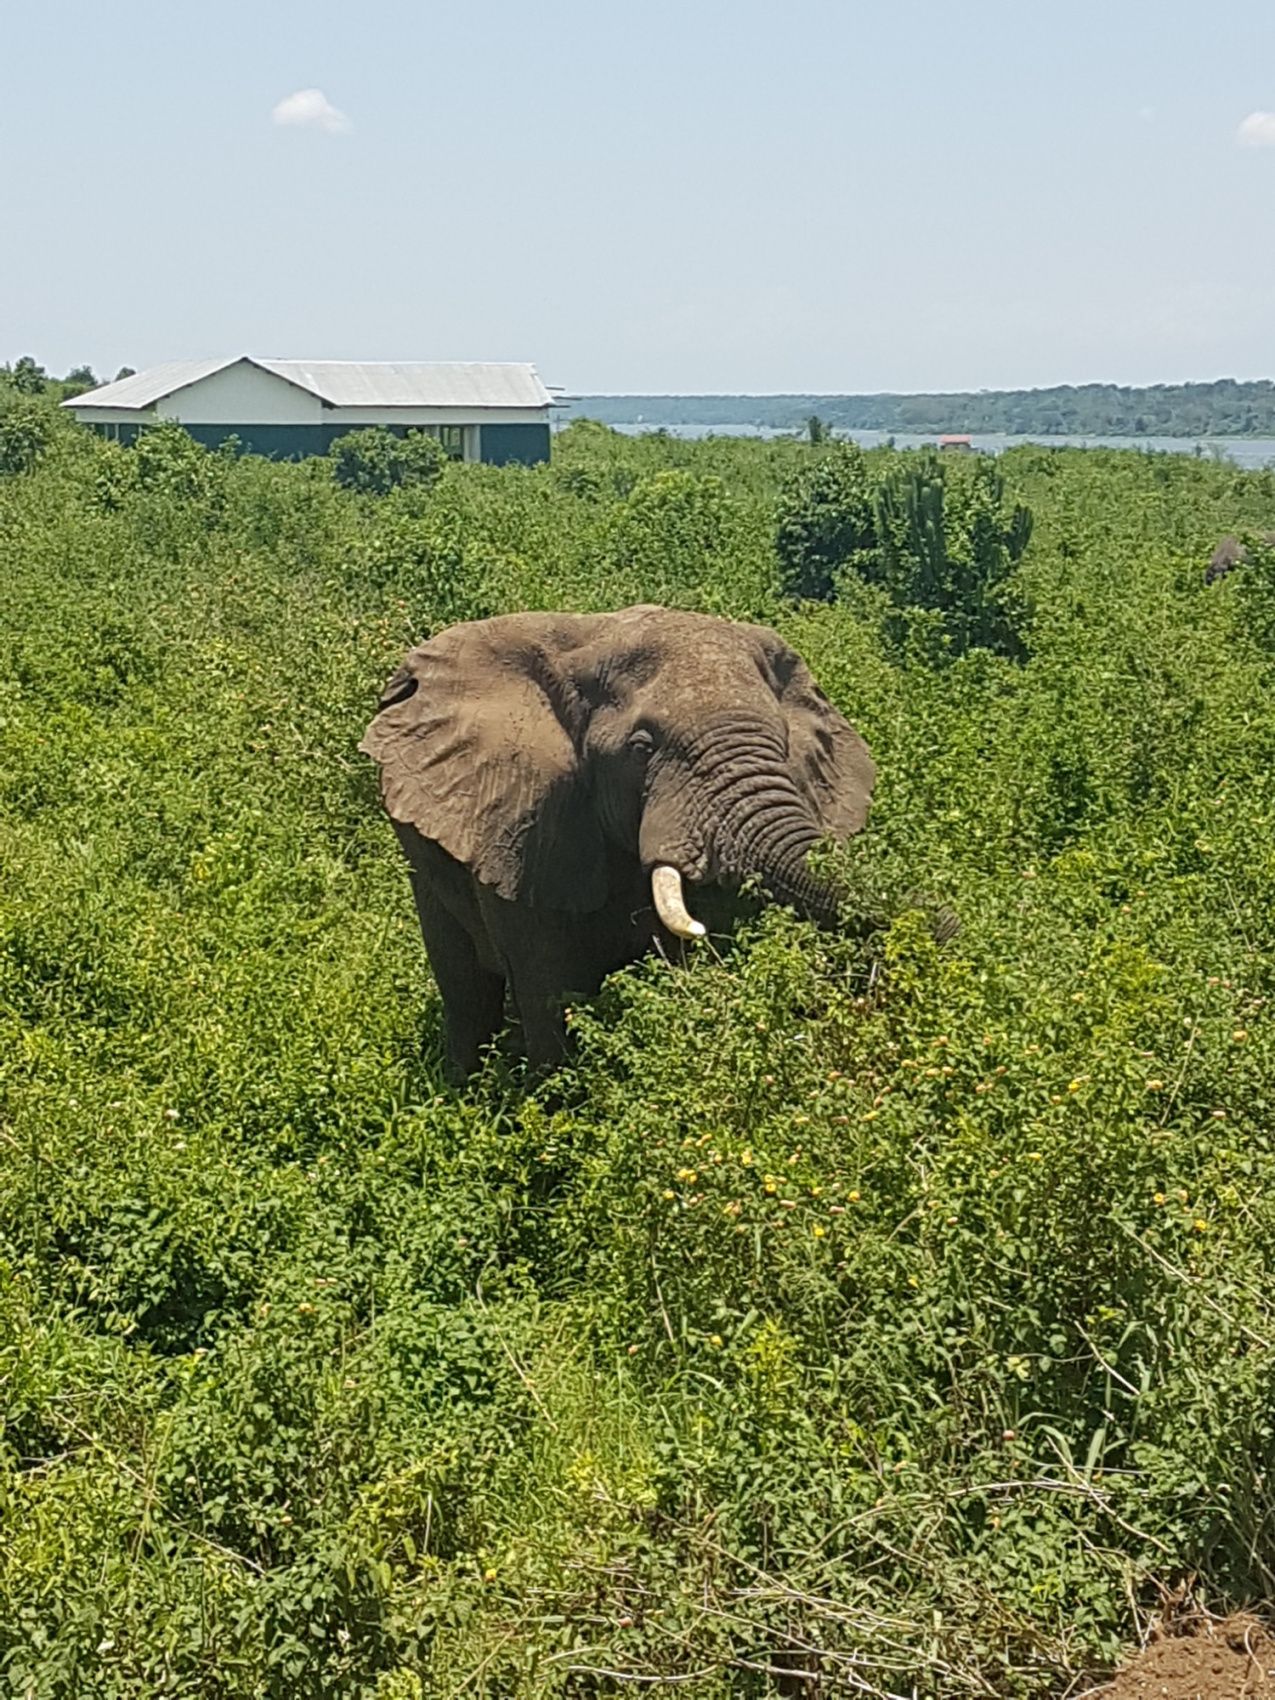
pixel 669 531
pixel 374 461
pixel 26 429
pixel 1253 590
pixel 824 521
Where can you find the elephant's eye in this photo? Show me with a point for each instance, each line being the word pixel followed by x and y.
pixel 641 743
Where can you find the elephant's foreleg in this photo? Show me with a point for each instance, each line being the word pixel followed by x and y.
pixel 544 1030
pixel 473 997
pixel 549 958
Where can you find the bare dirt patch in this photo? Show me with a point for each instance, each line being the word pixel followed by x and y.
pixel 1200 1658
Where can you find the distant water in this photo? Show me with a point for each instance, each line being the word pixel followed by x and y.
pixel 1242 451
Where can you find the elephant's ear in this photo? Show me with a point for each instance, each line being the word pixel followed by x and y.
pixel 473 737
pixel 831 761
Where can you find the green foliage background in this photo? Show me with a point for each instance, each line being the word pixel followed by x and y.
pixel 903 1319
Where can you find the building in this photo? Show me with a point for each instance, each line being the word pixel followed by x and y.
pixel 956 444
pixel 292 408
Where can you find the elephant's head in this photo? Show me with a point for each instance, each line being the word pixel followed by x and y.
pixel 532 747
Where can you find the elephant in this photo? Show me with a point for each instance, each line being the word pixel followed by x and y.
pixel 558 781
pixel 1231 553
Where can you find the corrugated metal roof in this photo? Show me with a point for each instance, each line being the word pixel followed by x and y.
pixel 357 383
pixel 144 389
pixel 347 383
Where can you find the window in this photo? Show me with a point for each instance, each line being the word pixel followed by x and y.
pixel 451 438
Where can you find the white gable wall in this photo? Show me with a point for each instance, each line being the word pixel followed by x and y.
pixel 242 395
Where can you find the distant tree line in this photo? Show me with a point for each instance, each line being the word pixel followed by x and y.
pixel 25 376
pixel 1225 408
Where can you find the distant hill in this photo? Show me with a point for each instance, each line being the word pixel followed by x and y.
pixel 1224 408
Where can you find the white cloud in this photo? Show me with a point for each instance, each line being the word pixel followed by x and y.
pixel 311 107
pixel 1257 131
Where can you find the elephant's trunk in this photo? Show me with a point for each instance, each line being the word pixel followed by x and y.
pixel 773 847
pixel 731 810
pixel 766 831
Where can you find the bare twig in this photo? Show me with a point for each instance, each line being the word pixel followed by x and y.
pixel 638 1679
pixel 126 1469
pixel 518 1370
pixel 1193 1281
pixel 1171 1099
pixel 1109 1368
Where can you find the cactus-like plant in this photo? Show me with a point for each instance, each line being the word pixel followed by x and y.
pixel 946 547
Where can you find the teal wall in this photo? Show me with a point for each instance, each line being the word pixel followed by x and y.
pixel 280 442
pixel 498 444
pixel 277 442
pixel 504 443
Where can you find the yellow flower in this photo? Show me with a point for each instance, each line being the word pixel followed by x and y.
pixel 746 1158
pixel 1155 1086
pixel 715 1341
pixel 1200 1225
pixel 1160 1198
pixel 854 1195
pixel 687 1175
pixel 819 1230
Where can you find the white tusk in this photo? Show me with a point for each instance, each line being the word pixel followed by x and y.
pixel 666 889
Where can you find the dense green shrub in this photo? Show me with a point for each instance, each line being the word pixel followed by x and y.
pixel 26 376
pixel 825 520
pixel 669 532
pixel 1253 590
pixel 169 462
pixel 895 1314
pixel 26 429
pixel 374 461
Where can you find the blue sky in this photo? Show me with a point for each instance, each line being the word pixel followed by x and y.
pixel 815 195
